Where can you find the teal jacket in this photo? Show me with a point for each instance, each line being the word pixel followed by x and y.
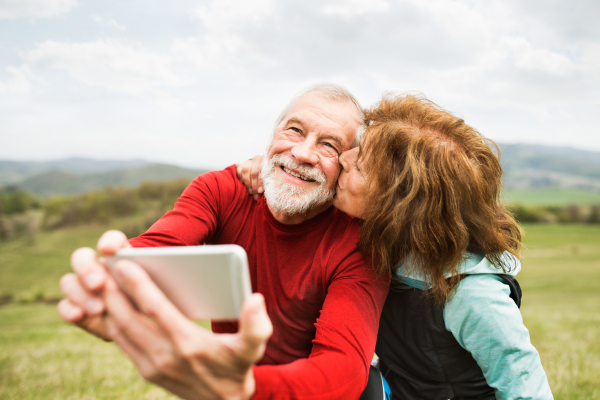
pixel 486 322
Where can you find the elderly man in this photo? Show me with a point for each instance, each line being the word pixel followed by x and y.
pixel 322 303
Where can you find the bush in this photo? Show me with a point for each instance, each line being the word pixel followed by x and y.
pixel 16 201
pixel 103 205
pixel 166 192
pixel 19 225
pixel 594 216
pixel 572 213
pixel 526 214
pixel 98 206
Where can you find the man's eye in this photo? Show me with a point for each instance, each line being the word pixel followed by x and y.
pixel 330 145
pixel 293 128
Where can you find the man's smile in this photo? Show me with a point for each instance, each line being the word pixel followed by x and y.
pixel 296 174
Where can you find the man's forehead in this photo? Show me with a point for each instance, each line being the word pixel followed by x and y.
pixel 336 117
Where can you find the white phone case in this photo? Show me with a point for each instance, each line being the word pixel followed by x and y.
pixel 203 282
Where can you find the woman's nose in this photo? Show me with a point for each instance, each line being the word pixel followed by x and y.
pixel 343 158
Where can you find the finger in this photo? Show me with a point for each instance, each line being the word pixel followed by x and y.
pixel 139 357
pixel 255 173
pixel 247 175
pixel 111 241
pixel 76 315
pixel 69 311
pixel 238 171
pixel 255 328
pixel 77 295
pixel 122 318
pixel 90 271
pixel 150 300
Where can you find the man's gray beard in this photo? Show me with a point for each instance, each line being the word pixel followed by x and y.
pixel 288 198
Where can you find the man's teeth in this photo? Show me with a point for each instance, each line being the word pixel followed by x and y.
pixel 292 173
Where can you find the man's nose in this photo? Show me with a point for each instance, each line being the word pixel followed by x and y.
pixel 306 152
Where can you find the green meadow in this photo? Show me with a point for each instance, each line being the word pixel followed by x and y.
pixel 551 196
pixel 44 358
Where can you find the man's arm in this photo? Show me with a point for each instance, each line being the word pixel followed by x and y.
pixel 193 221
pixel 194 217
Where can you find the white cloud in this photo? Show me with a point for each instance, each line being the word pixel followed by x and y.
pixel 103 22
pixel 12 9
pixel 531 58
pixel 523 70
pixel 117 67
pixel 221 15
pixel 349 9
pixel 19 82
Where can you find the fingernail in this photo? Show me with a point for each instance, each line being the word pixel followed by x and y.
pixel 93 280
pixel 73 314
pixel 260 189
pixel 255 197
pixel 94 306
pixel 250 192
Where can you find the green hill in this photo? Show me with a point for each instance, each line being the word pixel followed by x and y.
pixel 534 166
pixel 59 182
pixel 14 172
pixel 527 167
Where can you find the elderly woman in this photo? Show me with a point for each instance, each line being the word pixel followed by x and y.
pixel 427 187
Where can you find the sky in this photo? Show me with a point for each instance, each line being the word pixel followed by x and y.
pixel 200 83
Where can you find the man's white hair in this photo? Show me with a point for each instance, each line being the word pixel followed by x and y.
pixel 332 92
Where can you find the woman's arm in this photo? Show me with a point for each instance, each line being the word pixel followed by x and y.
pixel 487 323
pixel 249 173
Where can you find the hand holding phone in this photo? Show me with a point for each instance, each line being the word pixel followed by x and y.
pixel 203 282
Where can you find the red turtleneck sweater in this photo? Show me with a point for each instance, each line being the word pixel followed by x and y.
pixel 323 301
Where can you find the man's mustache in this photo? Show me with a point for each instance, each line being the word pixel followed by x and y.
pixel 303 169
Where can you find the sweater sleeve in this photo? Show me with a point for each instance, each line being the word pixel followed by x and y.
pixel 193 219
pixel 344 343
pixel 487 323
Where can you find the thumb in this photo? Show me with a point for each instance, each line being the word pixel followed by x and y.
pixel 255 328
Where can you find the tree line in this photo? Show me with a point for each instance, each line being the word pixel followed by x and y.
pixel 24 214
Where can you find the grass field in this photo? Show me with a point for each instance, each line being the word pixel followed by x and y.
pixel 43 358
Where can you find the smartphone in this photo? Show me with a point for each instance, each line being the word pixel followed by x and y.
pixel 203 282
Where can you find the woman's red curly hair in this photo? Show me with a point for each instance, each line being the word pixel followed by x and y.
pixel 434 187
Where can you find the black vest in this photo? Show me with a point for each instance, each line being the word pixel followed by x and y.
pixel 419 358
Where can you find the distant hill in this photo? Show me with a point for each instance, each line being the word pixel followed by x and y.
pixel 526 167
pixel 529 166
pixel 14 172
pixel 54 181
